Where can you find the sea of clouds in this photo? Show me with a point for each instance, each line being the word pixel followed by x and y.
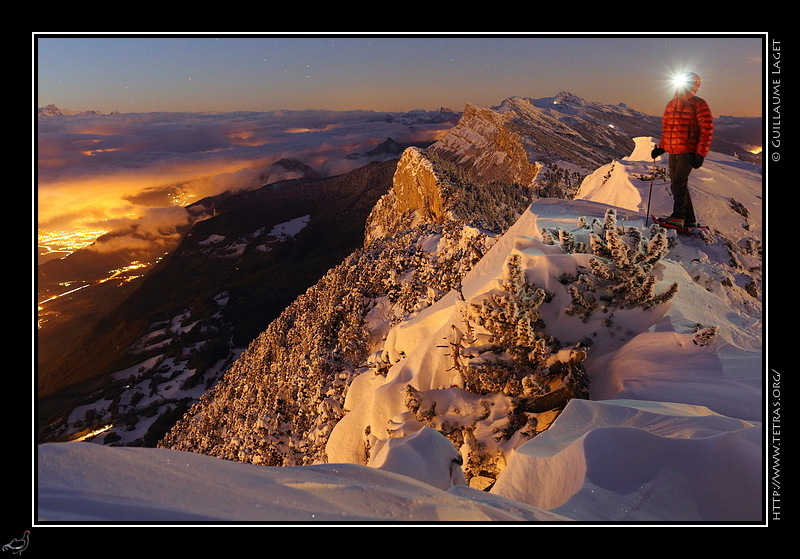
pixel 106 171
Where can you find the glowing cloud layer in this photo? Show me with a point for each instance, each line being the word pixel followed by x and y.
pixel 101 171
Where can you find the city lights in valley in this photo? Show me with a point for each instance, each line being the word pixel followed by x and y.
pixel 67 241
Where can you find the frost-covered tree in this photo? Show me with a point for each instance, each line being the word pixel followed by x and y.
pixel 554 181
pixel 512 352
pixel 512 370
pixel 493 205
pixel 620 275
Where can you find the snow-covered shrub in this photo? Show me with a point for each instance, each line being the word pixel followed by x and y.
pixel 415 267
pixel 704 336
pixel 658 172
pixel 516 376
pixel 512 372
pixel 620 274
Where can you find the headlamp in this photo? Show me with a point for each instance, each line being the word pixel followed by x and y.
pixel 680 81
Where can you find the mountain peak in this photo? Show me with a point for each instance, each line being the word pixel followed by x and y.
pixel 567 97
pixel 49 110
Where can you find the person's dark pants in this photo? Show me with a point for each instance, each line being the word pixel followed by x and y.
pixel 680 165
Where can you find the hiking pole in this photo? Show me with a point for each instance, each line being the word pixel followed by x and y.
pixel 650 195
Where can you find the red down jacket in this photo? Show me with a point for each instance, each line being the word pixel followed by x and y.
pixel 687 125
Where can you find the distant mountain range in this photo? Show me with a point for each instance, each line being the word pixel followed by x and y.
pixel 53 110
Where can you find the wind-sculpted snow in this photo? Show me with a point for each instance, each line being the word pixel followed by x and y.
pixel 686 351
pixel 613 461
pixel 93 483
pixel 637 460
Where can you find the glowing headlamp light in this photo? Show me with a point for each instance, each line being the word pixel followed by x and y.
pixel 680 81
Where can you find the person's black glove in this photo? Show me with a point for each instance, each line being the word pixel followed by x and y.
pixel 656 152
pixel 697 160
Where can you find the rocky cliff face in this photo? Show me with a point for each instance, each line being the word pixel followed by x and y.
pixel 548 145
pixel 488 146
pixel 418 187
pixel 522 149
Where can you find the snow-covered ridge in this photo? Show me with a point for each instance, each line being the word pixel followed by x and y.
pixel 639 355
pixel 670 430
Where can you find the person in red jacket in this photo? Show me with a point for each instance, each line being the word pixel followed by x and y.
pixel 686 131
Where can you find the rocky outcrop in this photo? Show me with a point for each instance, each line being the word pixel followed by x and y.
pixel 488 146
pixel 419 188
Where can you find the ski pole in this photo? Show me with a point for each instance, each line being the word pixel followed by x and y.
pixel 652 178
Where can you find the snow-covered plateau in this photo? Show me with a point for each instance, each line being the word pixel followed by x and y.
pixel 672 430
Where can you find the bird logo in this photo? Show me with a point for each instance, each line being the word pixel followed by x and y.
pixel 18 545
